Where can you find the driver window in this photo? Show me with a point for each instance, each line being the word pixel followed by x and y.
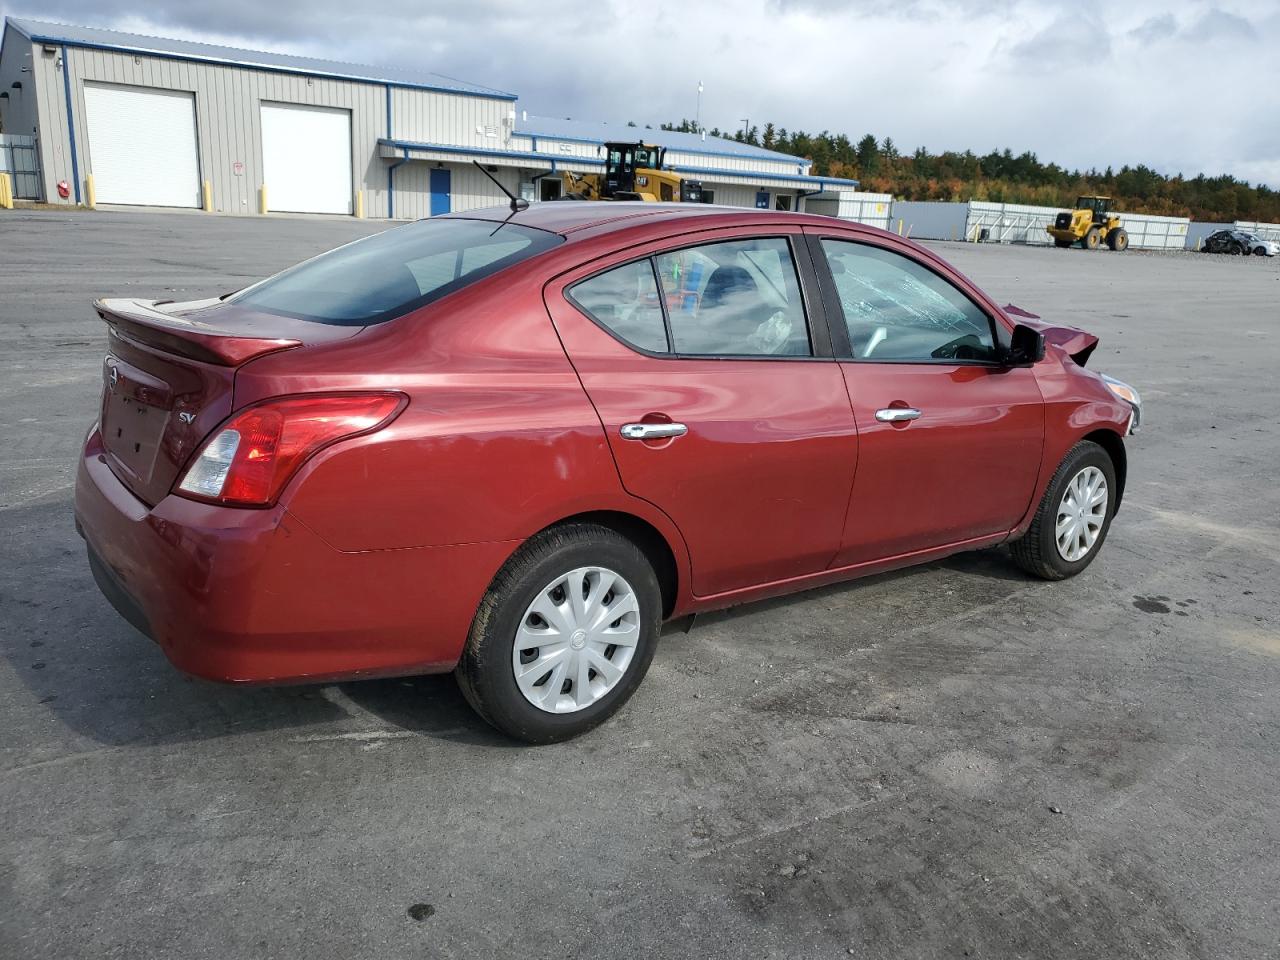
pixel 735 298
pixel 898 309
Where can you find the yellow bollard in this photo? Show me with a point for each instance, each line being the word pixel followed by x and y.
pixel 360 204
pixel 6 192
pixel 262 199
pixel 899 226
pixel 206 197
pixel 90 197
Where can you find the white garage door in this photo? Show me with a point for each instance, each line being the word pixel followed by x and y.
pixel 306 158
pixel 142 145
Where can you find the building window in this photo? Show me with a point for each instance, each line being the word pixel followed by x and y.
pixel 782 201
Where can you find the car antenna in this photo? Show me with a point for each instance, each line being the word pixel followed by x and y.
pixel 517 203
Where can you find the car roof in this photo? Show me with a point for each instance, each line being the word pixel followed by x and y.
pixel 569 217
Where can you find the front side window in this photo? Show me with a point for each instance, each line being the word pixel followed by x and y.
pixel 898 309
pixel 391 273
pixel 734 298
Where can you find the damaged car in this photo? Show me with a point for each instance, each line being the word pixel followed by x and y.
pixel 511 443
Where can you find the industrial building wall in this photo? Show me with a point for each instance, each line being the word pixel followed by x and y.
pixel 228 101
pixel 18 112
pixel 426 116
pixel 468 188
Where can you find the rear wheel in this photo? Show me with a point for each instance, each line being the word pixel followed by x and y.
pixel 564 634
pixel 1118 240
pixel 1092 239
pixel 1073 517
pixel 1237 249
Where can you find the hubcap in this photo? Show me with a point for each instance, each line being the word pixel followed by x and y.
pixel 1081 514
pixel 576 640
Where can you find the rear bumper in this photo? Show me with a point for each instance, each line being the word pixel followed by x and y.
pixel 255 596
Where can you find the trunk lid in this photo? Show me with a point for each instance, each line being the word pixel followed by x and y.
pixel 169 377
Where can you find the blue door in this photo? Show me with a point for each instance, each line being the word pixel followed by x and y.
pixel 440 184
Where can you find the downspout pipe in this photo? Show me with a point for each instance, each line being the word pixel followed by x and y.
pixel 71 122
pixel 822 188
pixel 391 184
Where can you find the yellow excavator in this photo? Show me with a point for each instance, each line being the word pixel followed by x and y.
pixel 632 171
pixel 1089 224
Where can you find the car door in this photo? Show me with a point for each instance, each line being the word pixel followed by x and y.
pixel 949 438
pixel 709 364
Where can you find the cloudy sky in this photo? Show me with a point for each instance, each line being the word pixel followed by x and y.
pixel 1184 85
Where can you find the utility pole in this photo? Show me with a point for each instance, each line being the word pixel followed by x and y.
pixel 746 127
pixel 697 117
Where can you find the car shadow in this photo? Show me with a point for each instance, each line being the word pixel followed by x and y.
pixel 98 677
pixel 83 666
pixel 990 564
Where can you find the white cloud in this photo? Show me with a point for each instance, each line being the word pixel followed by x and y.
pixel 1080 82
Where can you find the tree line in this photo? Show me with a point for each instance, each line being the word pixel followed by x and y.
pixel 1003 177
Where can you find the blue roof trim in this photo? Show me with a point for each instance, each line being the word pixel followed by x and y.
pixel 482 152
pixel 776 158
pixel 752 175
pixel 138 45
pixel 796 178
pixel 588 131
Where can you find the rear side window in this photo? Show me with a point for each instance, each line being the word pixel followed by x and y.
pixel 734 298
pixel 387 275
pixel 625 301
pixel 898 309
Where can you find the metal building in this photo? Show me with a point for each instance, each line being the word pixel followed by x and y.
pixel 121 118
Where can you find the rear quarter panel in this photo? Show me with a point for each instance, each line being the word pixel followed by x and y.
pixel 498 440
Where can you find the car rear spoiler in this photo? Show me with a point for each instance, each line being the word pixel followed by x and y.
pixel 139 320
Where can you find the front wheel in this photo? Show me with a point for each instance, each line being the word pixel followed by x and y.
pixel 1073 517
pixel 1260 251
pixel 564 634
pixel 1092 239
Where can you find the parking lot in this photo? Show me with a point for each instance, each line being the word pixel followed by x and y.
pixel 949 761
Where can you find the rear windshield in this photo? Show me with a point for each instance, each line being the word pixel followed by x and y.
pixel 389 274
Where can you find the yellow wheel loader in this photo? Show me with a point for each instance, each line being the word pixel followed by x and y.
pixel 632 171
pixel 1090 224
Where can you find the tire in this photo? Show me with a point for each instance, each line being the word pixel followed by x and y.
pixel 1092 239
pixel 1259 251
pixel 487 670
pixel 1118 240
pixel 1061 243
pixel 1236 249
pixel 1038 552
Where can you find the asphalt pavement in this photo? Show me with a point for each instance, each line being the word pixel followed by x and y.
pixel 950 761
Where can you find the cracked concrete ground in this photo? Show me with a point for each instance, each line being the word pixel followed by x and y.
pixel 949 761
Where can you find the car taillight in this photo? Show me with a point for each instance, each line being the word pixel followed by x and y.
pixel 250 458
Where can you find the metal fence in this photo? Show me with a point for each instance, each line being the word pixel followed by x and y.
pixel 1020 223
pixel 1267 231
pixel 20 158
pixel 1155 233
pixel 873 209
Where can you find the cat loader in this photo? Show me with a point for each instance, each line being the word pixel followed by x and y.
pixel 632 171
pixel 1089 224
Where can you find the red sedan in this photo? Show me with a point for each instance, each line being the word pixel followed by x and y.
pixel 512 445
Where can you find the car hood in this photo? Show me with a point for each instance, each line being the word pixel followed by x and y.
pixel 1078 344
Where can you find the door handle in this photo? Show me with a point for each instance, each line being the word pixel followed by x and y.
pixel 897 414
pixel 652 431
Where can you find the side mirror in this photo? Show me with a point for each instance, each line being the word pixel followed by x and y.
pixel 1025 347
